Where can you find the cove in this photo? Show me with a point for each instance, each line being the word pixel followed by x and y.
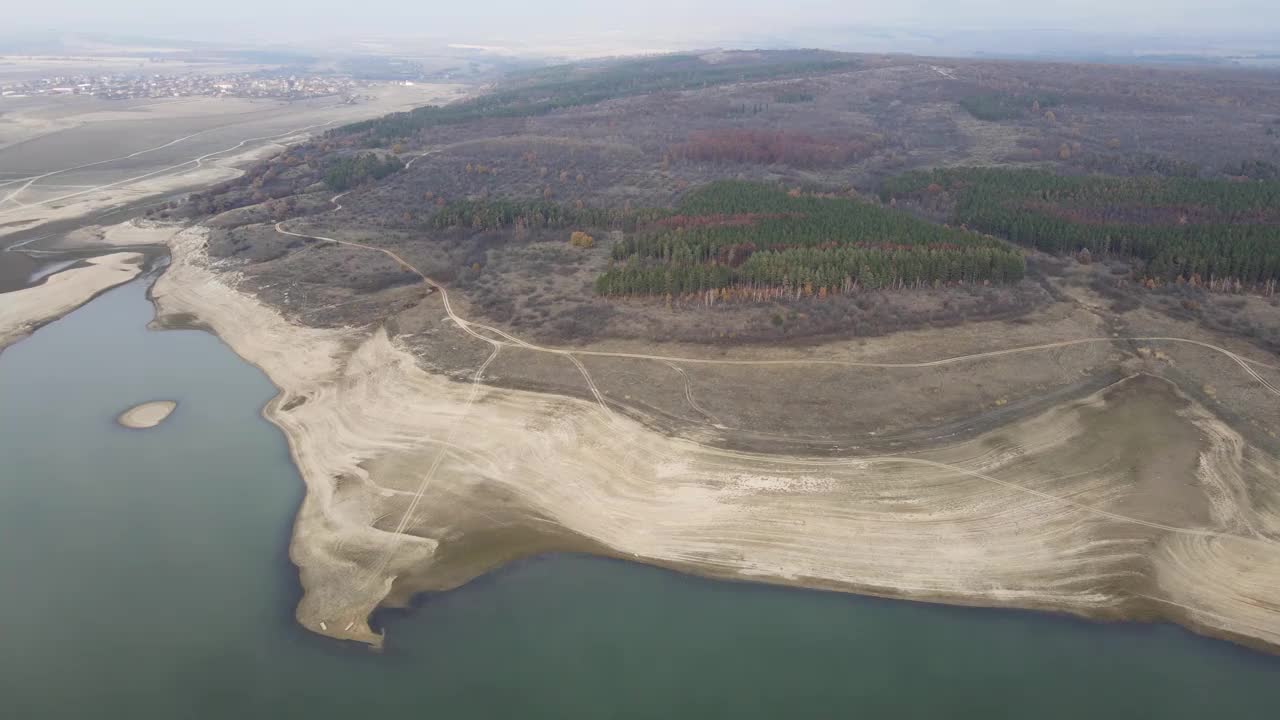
pixel 144 575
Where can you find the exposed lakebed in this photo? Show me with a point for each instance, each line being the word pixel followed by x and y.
pixel 145 576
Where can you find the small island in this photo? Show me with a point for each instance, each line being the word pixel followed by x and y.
pixel 146 415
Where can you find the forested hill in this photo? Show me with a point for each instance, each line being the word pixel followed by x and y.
pixel 567 86
pixel 742 240
pixel 344 173
pixel 1220 233
pixel 741 176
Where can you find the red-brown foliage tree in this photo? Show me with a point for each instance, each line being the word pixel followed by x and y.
pixel 767 147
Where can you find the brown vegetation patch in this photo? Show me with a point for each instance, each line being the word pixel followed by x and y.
pixel 771 147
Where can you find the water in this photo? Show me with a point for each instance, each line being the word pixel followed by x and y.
pixel 50 268
pixel 144 575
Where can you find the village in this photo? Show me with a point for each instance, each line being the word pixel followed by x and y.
pixel 130 86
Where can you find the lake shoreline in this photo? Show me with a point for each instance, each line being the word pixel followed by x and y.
pixel 299 386
pixel 30 308
pixel 514 640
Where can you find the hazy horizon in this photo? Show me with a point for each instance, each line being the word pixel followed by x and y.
pixel 660 23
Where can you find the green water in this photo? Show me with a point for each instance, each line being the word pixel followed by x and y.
pixel 144 575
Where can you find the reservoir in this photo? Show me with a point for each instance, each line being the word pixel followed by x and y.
pixel 144 574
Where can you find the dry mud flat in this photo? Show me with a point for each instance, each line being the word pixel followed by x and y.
pixel 64 162
pixel 22 311
pixel 132 233
pixel 1134 501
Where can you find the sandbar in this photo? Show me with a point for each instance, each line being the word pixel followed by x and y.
pixel 22 311
pixel 147 415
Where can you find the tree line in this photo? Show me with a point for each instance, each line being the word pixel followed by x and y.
pixel 994 107
pixel 569 86
pixel 763 242
pixel 347 172
pixel 823 271
pixel 1222 233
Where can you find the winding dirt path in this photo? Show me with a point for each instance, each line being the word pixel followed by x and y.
pixel 198 161
pixel 486 333
pixel 974 524
pixel 35 178
pixel 470 327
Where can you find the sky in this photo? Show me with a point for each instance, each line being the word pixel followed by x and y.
pixel 547 20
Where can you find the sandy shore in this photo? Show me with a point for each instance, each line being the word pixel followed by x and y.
pixel 22 311
pixel 416 482
pixel 133 233
pixel 147 415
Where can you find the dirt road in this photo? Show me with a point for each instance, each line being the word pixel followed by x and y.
pixel 979 522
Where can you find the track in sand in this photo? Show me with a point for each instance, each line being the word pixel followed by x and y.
pixel 1117 563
